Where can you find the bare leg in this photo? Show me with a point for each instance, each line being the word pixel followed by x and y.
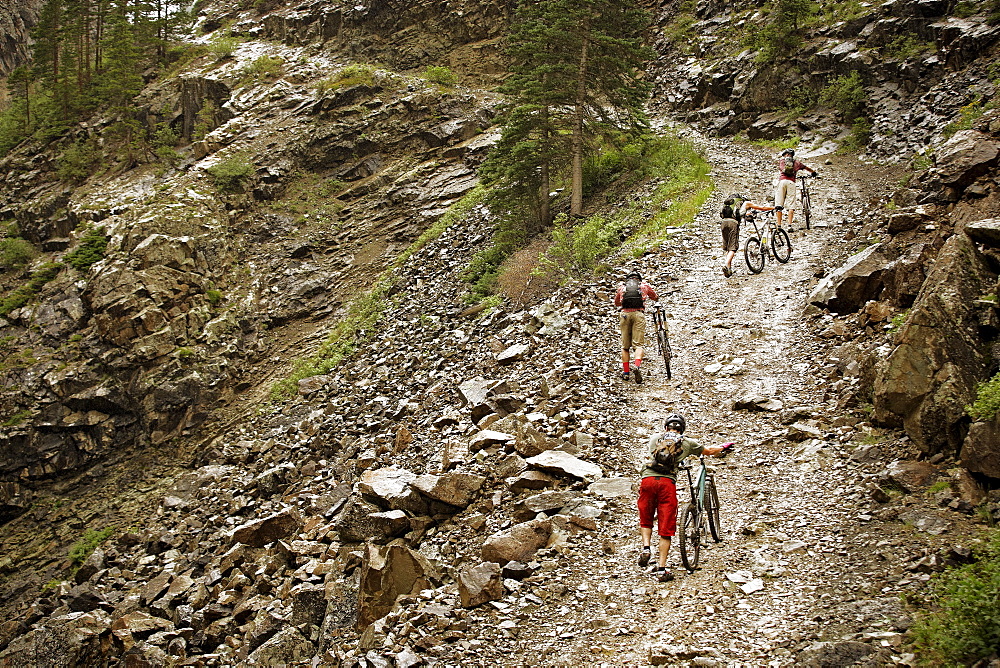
pixel 638 355
pixel 729 258
pixel 626 358
pixel 647 535
pixel 664 550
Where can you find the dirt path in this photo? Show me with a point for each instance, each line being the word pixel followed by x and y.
pixel 796 518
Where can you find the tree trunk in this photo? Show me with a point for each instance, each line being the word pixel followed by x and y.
pixel 576 197
pixel 544 212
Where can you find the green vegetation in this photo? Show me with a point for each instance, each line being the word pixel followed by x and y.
pixel 897 321
pixel 782 36
pixel 959 621
pixel 987 402
pixel 88 56
pixel 15 253
pixel 84 547
pixel 939 486
pixel 679 31
pixel 22 295
pixel 264 68
pixel 17 418
pixel 905 47
pixel 214 297
pixel 93 245
pixel 352 75
pixel 442 76
pixel 778 144
pixel 229 175
pixel 846 94
pixel 967 116
pixel 78 161
pixel 223 46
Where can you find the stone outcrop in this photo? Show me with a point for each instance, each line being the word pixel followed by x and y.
pixel 931 375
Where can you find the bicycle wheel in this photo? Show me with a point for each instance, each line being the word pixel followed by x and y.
pixel 781 245
pixel 664 344
pixel 712 509
pixel 690 536
pixel 806 208
pixel 753 252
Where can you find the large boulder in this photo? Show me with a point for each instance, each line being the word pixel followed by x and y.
pixel 518 543
pixel 391 488
pixel 964 157
pixel 930 376
pixel 455 489
pixel 276 526
pixel 388 572
pixel 848 288
pixel 564 464
pixel 981 449
pixel 480 584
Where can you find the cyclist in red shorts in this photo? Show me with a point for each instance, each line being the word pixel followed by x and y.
pixel 658 493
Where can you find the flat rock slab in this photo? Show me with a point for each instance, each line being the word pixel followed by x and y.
pixel 563 463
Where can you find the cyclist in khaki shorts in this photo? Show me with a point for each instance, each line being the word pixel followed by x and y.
pixel 631 299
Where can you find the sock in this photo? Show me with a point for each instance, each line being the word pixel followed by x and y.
pixel 637 363
pixel 625 366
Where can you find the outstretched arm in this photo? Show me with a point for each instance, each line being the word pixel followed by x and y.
pixel 718 450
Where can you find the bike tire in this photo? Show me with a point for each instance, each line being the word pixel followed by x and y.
pixel 781 245
pixel 690 525
pixel 712 509
pixel 753 253
pixel 806 204
pixel 664 345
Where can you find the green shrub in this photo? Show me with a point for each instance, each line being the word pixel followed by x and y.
pixel 440 75
pixel 264 67
pixel 223 47
pixel 987 402
pixel 77 162
pixel 905 47
pixel 230 174
pixel 846 94
pixel 17 418
pixel 84 547
pixel 214 297
pixel 967 116
pixel 15 253
pixel 579 248
pixel 93 245
pixel 963 621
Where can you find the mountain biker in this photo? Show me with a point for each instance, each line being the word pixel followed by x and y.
pixel 786 190
pixel 631 299
pixel 658 492
pixel 731 218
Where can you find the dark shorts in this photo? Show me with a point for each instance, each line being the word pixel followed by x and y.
pixel 658 496
pixel 730 235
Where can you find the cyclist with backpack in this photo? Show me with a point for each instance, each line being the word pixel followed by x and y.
pixel 786 190
pixel 733 211
pixel 631 299
pixel 658 492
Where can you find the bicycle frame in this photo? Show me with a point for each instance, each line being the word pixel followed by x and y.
pixel 698 491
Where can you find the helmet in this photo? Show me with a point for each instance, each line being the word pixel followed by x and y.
pixel 789 152
pixel 633 274
pixel 677 420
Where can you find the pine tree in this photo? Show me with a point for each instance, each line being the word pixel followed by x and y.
pixel 576 74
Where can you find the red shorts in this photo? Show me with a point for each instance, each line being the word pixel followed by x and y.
pixel 658 496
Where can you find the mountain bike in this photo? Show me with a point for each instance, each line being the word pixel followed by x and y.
pixel 662 336
pixel 806 202
pixel 766 240
pixel 702 509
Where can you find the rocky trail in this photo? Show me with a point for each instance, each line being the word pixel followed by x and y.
pixel 809 570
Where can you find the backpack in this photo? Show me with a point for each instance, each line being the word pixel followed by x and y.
pixel 788 167
pixel 665 454
pixel 737 204
pixel 632 297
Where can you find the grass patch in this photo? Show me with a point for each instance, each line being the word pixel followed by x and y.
pixel 313 197
pixel 967 116
pixel 987 402
pixel 264 68
pixel 84 547
pixel 22 295
pixel 962 624
pixel 17 418
pixel 896 322
pixel 442 76
pixel 352 75
pixel 905 47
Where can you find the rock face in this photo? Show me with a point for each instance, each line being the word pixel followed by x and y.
pixel 16 20
pixel 931 375
pixel 387 573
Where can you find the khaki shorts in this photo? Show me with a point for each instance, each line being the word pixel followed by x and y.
pixel 633 328
pixel 730 235
pixel 784 194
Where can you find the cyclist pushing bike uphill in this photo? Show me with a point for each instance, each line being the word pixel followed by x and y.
pixel 631 299
pixel 784 193
pixel 658 495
